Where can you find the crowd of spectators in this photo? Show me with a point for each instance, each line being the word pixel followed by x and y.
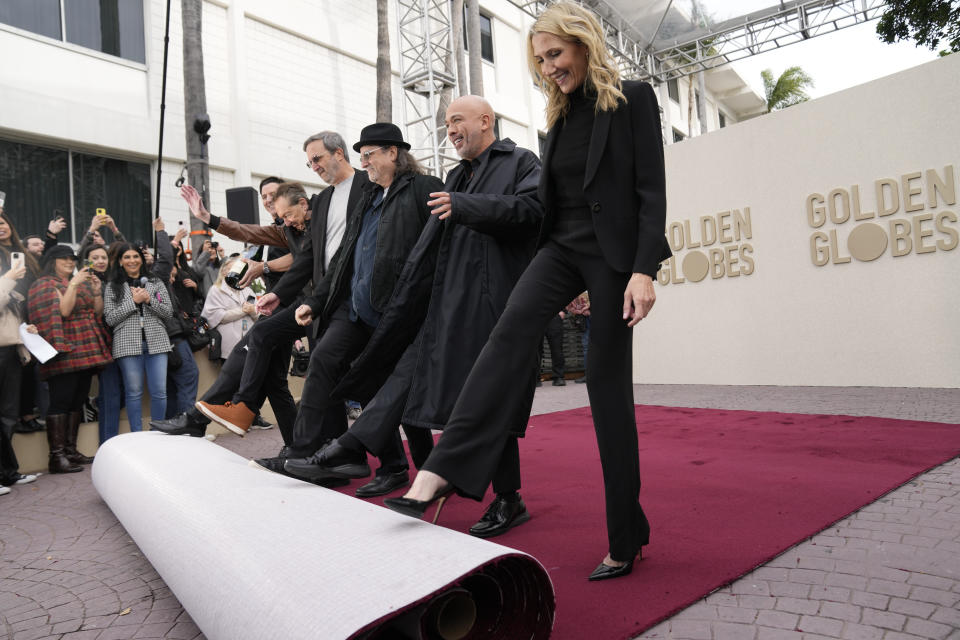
pixel 122 311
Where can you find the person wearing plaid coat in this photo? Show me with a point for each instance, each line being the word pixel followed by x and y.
pixel 134 304
pixel 64 307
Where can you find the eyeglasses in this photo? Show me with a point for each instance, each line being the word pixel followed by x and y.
pixel 314 160
pixel 365 156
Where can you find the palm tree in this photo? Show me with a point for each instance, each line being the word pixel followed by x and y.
pixel 473 47
pixel 787 90
pixel 195 106
pixel 384 75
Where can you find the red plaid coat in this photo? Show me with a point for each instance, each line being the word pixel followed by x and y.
pixel 80 339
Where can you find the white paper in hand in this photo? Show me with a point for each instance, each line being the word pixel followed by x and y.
pixel 36 345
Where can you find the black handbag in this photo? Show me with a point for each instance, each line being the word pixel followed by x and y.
pixel 214 352
pixel 196 330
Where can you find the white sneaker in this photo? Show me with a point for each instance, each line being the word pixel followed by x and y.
pixel 4 491
pixel 26 479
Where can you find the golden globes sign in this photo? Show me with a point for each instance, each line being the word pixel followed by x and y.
pixel 712 245
pixel 910 197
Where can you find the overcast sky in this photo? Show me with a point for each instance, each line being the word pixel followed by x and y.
pixel 838 60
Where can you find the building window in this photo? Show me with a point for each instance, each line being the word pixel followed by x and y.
pixel 486 36
pixel 677 136
pixel 723 119
pixel 39 182
pixel 110 26
pixel 673 88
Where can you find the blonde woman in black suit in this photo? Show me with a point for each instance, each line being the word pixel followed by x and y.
pixel 603 192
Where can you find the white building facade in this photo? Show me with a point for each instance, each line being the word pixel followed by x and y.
pixel 81 87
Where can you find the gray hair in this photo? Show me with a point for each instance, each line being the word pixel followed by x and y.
pixel 291 192
pixel 331 142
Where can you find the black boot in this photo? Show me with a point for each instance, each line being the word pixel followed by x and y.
pixel 70 446
pixel 57 426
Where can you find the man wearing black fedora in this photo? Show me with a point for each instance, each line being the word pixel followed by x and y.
pixel 350 299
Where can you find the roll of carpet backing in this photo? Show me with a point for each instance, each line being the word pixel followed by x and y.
pixel 252 554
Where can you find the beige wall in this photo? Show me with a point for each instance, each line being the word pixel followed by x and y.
pixel 881 311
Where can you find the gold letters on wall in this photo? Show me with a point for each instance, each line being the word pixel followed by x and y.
pixel 714 246
pixel 914 230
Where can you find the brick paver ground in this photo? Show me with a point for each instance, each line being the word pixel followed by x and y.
pixel 891 571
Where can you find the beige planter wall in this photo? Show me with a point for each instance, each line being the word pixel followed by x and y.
pixel 811 278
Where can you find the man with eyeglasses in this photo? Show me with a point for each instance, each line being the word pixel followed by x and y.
pixel 357 289
pixel 491 214
pixel 264 354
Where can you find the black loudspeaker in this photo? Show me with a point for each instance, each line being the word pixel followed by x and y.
pixel 243 205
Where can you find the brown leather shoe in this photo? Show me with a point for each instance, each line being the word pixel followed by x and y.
pixel 236 417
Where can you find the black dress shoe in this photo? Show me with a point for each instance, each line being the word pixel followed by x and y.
pixel 502 515
pixel 332 461
pixel 559 382
pixel 180 425
pixel 384 484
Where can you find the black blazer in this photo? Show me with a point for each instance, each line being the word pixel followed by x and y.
pixel 624 183
pixel 309 264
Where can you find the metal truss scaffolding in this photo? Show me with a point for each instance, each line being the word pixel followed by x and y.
pixel 749 35
pixel 427 68
pixel 426 72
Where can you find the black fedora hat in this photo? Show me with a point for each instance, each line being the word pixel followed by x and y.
pixel 385 134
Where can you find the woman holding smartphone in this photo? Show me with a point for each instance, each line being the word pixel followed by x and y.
pixel 229 310
pixel 65 306
pixel 12 356
pixel 134 305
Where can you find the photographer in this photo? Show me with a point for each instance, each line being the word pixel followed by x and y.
pixel 207 264
pixel 229 310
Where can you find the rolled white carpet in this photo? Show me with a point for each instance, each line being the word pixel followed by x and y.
pixel 256 555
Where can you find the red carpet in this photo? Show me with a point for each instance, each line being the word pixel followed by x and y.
pixel 724 491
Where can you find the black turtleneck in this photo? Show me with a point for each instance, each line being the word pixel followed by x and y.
pixel 572 224
pixel 569 160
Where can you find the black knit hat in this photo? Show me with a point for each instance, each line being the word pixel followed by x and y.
pixel 57 251
pixel 385 134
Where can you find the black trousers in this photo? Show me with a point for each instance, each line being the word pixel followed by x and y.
pixel 273 384
pixel 473 441
pixel 11 378
pixel 376 428
pixel 68 391
pixel 269 335
pixel 554 335
pixel 323 415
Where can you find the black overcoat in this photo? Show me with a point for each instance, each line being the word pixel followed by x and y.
pixel 481 250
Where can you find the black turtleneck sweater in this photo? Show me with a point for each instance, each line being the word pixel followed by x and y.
pixel 568 164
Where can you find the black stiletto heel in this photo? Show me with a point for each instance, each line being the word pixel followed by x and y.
pixel 605 571
pixel 416 508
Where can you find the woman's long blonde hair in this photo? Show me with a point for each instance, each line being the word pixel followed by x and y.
pixel 573 23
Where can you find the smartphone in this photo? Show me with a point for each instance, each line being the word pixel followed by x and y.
pixel 214 244
pixel 88 265
pixel 16 258
pixel 101 211
pixel 251 299
pixel 3 197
